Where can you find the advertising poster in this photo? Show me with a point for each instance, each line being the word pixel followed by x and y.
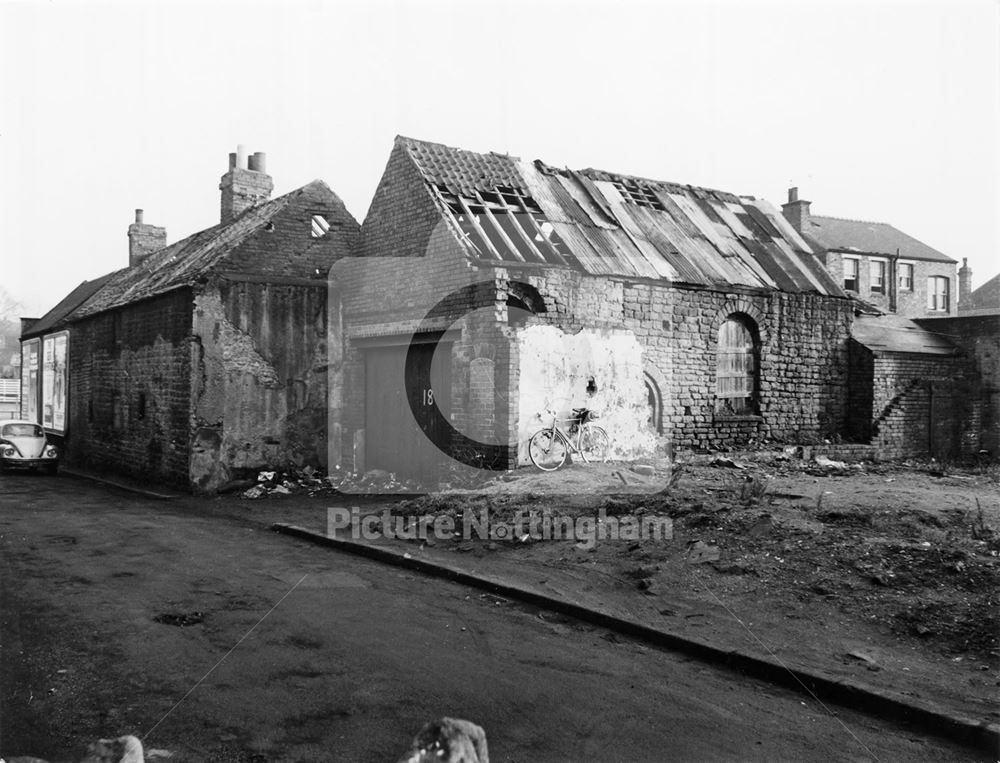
pixel 29 380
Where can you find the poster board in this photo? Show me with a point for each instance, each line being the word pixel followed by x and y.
pixel 54 356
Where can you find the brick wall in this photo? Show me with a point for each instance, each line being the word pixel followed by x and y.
pixel 130 389
pixel 979 338
pixel 919 405
pixel 909 303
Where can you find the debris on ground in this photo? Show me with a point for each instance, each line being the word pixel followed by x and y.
pixel 700 552
pixel 727 463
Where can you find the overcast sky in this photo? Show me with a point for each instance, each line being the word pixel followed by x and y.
pixel 876 110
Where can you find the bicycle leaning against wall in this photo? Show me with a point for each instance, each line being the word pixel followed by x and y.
pixel 550 447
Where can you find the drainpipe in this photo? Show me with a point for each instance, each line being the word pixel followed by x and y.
pixel 893 282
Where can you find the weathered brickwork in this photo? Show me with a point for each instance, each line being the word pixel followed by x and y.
pixel 916 404
pixel 979 338
pixel 130 389
pixel 213 381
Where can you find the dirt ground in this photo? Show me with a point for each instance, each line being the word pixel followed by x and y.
pixel 219 641
pixel 886 574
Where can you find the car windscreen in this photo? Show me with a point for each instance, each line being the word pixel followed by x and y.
pixel 21 430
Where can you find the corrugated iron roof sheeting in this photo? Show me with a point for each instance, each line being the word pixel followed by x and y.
pixel 692 235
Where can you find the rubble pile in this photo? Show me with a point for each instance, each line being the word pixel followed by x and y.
pixel 310 481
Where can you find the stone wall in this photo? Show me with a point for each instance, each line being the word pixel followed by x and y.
pixel 130 389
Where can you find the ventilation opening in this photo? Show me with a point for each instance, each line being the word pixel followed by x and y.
pixel 320 226
pixel 140 408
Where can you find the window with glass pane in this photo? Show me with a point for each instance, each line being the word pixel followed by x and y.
pixel 850 274
pixel 736 370
pixel 937 294
pixel 906 277
pixel 876 269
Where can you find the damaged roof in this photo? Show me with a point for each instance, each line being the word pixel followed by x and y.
pixel 862 237
pixel 186 261
pixel 55 318
pixel 510 210
pixel 893 333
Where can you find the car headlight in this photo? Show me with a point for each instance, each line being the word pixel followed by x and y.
pixel 8 452
pixel 51 452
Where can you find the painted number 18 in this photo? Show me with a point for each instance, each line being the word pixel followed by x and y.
pixel 428 397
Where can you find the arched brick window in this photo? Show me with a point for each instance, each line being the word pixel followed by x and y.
pixel 736 366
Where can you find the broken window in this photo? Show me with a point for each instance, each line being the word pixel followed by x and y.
pixel 506 224
pixel 906 276
pixel 876 269
pixel 937 294
pixel 850 274
pixel 637 193
pixel 736 367
pixel 320 226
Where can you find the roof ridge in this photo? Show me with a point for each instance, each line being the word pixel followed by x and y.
pixel 654 181
pixel 852 220
pixel 410 140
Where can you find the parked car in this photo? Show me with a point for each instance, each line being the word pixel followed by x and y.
pixel 23 443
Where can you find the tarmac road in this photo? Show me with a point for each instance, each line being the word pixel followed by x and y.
pixel 338 658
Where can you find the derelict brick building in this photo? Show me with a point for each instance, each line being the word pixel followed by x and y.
pixel 206 359
pixel 682 313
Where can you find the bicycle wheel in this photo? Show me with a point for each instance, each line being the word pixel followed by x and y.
pixel 547 450
pixel 595 445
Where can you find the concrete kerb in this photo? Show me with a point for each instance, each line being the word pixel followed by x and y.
pixel 979 735
pixel 85 475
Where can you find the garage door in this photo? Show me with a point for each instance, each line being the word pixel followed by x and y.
pixel 401 434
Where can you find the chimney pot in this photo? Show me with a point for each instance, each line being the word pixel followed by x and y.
pixel 241 156
pixel 252 162
pixel 138 217
pixel 793 194
pixel 232 161
pixel 260 161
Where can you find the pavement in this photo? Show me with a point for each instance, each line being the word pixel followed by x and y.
pixel 816 688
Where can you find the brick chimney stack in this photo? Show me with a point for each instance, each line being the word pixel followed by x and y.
pixel 246 185
pixel 143 240
pixel 796 211
pixel 964 281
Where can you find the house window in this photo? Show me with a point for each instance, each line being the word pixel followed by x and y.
pixel 736 369
pixel 850 274
pixel 320 226
pixel 876 270
pixel 937 294
pixel 905 276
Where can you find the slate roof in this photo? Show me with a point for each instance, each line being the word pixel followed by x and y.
pixel 186 261
pixel 54 319
pixel 838 234
pixel 986 297
pixel 611 224
pixel 892 333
